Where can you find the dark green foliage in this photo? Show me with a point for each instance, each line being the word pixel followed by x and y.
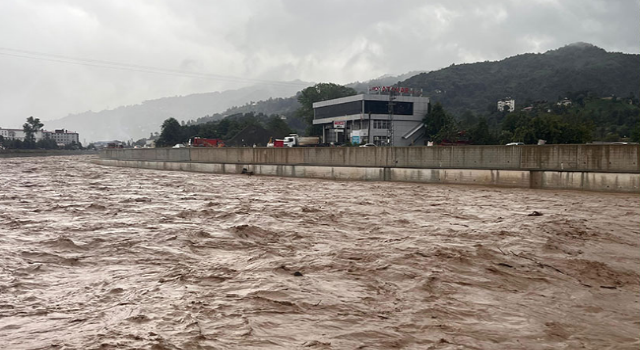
pixel 554 129
pixel 171 133
pixel 439 125
pixel 259 128
pixel 317 93
pixel 480 134
pixel 73 145
pixel 30 128
pixel 47 144
pixel 278 127
pixel 577 67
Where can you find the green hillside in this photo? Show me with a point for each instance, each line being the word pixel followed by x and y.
pixel 477 87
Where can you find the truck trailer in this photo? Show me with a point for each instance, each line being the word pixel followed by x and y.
pixel 202 142
pixel 293 140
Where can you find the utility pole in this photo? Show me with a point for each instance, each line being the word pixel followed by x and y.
pixel 390 132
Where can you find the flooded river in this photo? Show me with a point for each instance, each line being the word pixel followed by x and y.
pixel 95 257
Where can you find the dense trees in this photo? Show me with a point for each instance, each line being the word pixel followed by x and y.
pixel 439 125
pixel 317 93
pixel 593 119
pixel 173 133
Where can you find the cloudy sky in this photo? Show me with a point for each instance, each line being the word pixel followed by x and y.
pixel 69 56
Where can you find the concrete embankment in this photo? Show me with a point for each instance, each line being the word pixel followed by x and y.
pixel 613 168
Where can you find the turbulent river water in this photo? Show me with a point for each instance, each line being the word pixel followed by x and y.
pixel 95 257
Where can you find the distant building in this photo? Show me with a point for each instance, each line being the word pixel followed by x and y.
pixel 507 103
pixel 564 102
pixel 19 134
pixel 62 137
pixel 365 118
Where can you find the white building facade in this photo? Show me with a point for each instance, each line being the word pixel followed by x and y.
pixel 367 118
pixel 507 103
pixel 62 137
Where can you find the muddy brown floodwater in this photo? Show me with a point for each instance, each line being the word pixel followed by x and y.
pixel 95 257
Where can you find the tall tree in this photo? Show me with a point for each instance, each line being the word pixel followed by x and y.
pixel 480 134
pixel 439 125
pixel 277 126
pixel 317 93
pixel 171 133
pixel 30 128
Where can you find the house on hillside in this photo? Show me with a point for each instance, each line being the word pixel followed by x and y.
pixel 507 102
pixel 565 102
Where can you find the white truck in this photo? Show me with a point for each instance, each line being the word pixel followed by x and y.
pixel 293 140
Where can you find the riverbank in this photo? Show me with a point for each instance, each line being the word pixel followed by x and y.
pixel 12 153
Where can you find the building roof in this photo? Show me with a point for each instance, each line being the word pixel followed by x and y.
pixel 368 97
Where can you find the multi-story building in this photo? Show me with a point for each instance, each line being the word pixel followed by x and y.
pixel 19 134
pixel 367 118
pixel 62 137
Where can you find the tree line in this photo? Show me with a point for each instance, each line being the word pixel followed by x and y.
pixel 173 132
pixel 583 118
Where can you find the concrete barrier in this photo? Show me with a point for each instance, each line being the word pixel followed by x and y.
pixel 589 181
pixel 591 158
pixel 585 167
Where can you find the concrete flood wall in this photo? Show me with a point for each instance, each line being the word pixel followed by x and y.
pixel 613 168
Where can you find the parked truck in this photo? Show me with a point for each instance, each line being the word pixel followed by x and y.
pixel 293 140
pixel 275 143
pixel 202 142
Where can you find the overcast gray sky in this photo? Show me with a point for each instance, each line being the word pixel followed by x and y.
pixel 55 54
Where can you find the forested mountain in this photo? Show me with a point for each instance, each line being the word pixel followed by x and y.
pixel 280 106
pixel 549 76
pixel 385 80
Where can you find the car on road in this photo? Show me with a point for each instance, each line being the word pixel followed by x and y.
pixel 368 145
pixel 515 144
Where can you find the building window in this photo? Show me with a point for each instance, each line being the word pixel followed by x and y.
pixel 381 124
pixel 339 110
pixel 381 140
pixel 382 107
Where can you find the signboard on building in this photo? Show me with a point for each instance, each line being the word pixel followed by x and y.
pixel 339 124
pixel 395 89
pixel 363 132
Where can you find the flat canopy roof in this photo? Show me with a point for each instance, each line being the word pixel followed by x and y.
pixel 367 97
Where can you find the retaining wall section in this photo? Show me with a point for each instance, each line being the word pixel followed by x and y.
pixel 596 158
pixel 613 168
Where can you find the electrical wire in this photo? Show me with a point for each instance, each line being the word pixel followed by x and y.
pixel 134 67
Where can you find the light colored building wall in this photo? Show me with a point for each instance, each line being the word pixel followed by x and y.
pixel 402 124
pixel 60 137
pixel 507 103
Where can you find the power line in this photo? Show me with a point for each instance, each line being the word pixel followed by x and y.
pixel 133 67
